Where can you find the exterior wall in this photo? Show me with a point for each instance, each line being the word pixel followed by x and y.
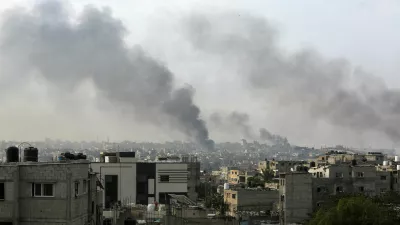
pixel 241 198
pixel 20 207
pixel 126 173
pixel 296 197
pixel 177 178
pixel 8 207
pixel 233 176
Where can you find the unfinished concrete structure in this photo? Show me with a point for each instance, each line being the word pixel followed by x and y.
pixel 37 193
pixel 250 199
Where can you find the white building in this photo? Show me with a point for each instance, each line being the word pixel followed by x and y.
pixel 128 181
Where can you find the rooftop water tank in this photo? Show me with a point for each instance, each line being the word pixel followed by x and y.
pixel 31 154
pixel 226 186
pixel 397 158
pixel 398 167
pixel 12 154
pixel 385 163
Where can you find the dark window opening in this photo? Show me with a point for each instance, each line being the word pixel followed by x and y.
pixel 164 178
pixel 383 177
pixel 282 198
pixel 234 196
pixel 361 189
pixel 2 191
pixel 92 207
pixel 76 189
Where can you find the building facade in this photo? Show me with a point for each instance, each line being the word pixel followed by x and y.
pixel 128 181
pixel 48 193
pixel 246 199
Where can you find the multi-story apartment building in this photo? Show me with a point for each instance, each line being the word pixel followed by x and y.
pixel 38 193
pixel 304 189
pixel 127 180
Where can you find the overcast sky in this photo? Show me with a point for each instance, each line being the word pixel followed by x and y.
pixel 365 32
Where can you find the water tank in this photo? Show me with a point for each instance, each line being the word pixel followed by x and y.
pixel 226 186
pixel 397 158
pixel 61 158
pixel 129 221
pixel 385 163
pixel 12 154
pixel 31 154
pixel 151 207
pixel 398 167
pixel 312 164
pixel 69 156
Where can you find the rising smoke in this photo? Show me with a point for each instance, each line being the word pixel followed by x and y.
pixel 330 90
pixel 239 121
pixel 46 40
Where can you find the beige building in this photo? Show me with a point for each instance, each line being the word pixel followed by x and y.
pixel 35 193
pixel 250 199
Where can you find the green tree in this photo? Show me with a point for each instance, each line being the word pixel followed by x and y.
pixel 267 174
pixel 359 209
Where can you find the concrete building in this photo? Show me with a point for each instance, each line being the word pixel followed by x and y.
pixel 295 197
pixel 304 190
pixel 246 199
pixel 127 180
pixel 33 193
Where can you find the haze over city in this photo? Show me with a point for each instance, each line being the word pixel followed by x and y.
pixel 201 71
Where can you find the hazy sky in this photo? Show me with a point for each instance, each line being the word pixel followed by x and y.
pixel 364 32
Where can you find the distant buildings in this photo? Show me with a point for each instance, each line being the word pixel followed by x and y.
pixel 305 189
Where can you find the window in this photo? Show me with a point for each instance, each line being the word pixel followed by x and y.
pixel 339 174
pixel 360 174
pixel 395 180
pixel 383 177
pixel 339 189
pixel 76 188
pixel 282 198
pixel 84 186
pixel 42 190
pixel 361 189
pixel 2 191
pixel 383 190
pixel 234 196
pixel 164 178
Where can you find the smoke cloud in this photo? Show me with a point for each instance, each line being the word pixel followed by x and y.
pixel 47 41
pixel 239 121
pixel 328 89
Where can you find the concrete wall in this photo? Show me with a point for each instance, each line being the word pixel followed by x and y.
pixel 126 178
pixel 249 198
pixel 177 183
pixel 7 207
pixel 62 208
pixel 295 197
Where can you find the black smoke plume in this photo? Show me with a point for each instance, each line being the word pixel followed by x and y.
pixel 239 121
pixel 328 89
pixel 66 52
